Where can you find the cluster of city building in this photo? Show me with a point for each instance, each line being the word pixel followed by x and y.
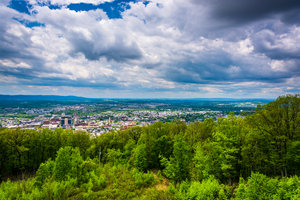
pixel 68 122
pixel 99 123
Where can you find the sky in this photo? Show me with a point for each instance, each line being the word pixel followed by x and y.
pixel 150 49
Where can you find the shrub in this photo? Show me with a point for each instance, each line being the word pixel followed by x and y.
pixel 261 187
pixel 44 172
pixel 142 179
pixel 207 189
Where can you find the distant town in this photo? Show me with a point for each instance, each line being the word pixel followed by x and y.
pixel 113 115
pixel 100 123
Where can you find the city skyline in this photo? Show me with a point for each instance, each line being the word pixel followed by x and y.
pixel 150 49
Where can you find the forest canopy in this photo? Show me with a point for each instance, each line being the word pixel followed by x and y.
pixel 235 157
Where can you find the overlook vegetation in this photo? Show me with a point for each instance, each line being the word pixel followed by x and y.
pixel 254 157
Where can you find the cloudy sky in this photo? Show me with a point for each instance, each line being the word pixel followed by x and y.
pixel 150 49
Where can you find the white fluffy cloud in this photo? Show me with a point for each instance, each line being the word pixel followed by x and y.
pixel 169 48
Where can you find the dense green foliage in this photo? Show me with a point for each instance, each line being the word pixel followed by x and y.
pixel 255 157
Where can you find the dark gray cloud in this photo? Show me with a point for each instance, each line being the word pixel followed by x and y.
pixel 76 83
pixel 238 11
pixel 31 77
pixel 277 46
pixel 292 17
pixel 24 74
pixel 16 59
pixel 217 47
pixel 211 73
pixel 222 67
pixel 12 46
pixel 118 50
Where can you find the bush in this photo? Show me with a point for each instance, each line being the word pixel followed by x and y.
pixel 259 187
pixel 153 193
pixel 59 190
pixel 141 157
pixel 44 172
pixel 68 163
pixel 16 190
pixel 207 189
pixel 142 179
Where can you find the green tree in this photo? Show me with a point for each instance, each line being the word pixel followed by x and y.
pixel 230 137
pixel 177 167
pixel 279 121
pixel 141 157
pixel 67 164
pixel 199 131
pixel 258 187
pixel 44 172
pixel 206 161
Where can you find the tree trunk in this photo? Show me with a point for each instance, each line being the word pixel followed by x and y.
pixel 230 181
pixel 285 171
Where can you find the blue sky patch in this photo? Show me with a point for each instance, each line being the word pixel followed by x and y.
pixel 21 5
pixel 29 24
pixel 112 9
pixel 163 49
pixel 146 3
pixel 49 5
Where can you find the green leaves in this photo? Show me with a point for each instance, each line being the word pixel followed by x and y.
pixel 178 166
pixel 206 190
pixel 260 187
pixel 279 124
pixel 141 157
pixel 196 158
pixel 67 164
pixel 44 172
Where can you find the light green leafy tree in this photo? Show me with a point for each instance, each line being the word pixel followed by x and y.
pixel 141 157
pixel 177 167
pixel 279 122
pixel 67 163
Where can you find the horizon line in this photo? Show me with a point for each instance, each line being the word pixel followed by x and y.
pixel 125 98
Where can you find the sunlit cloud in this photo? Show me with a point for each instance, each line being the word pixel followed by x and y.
pixel 170 48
